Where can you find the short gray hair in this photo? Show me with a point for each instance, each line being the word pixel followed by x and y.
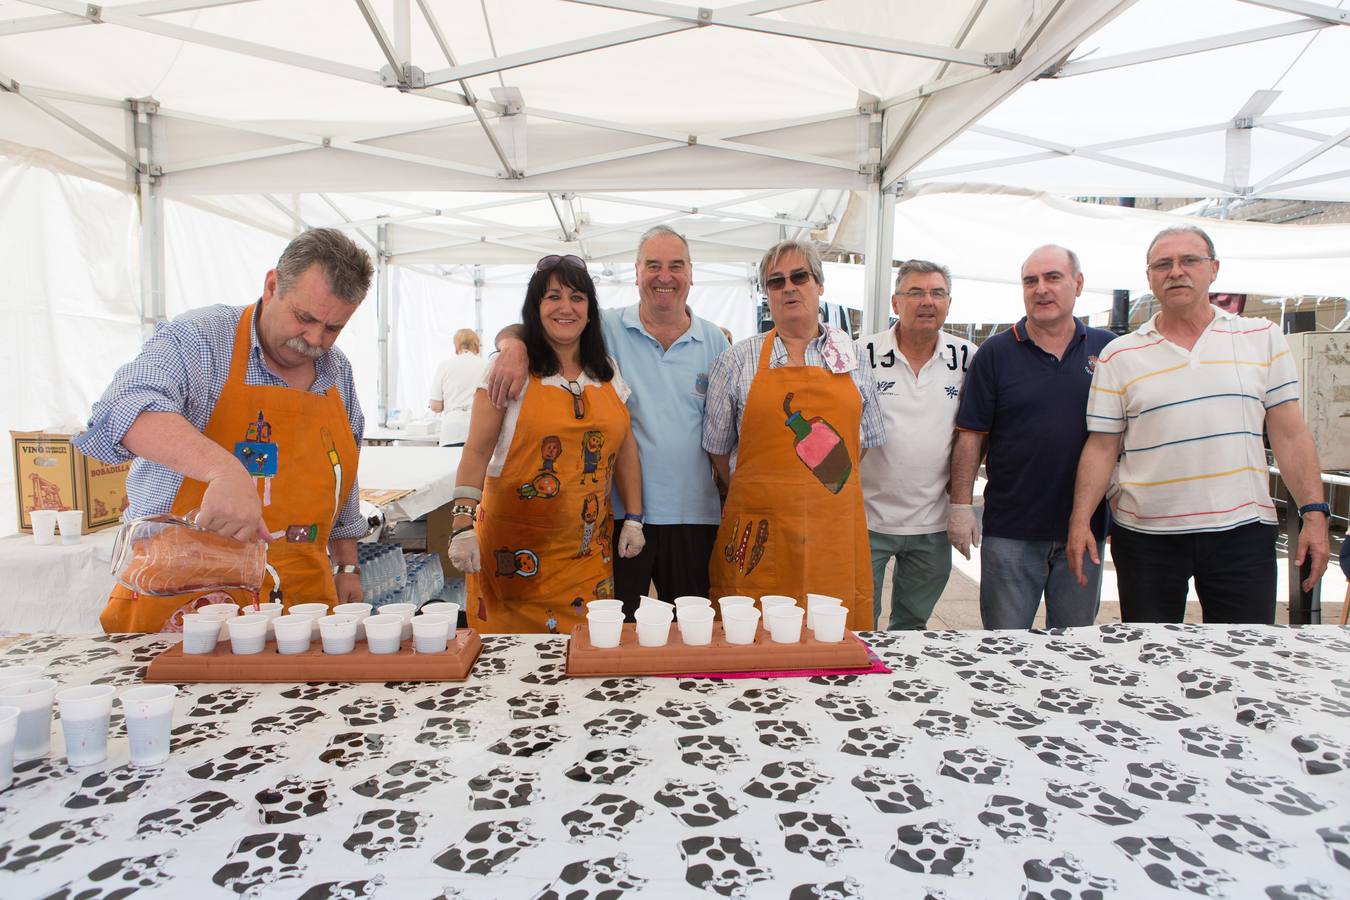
pixel 1075 267
pixel 660 231
pixel 922 267
pixel 1182 229
pixel 782 248
pixel 345 266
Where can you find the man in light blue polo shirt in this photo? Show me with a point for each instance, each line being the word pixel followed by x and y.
pixel 664 352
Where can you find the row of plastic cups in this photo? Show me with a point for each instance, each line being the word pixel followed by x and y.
pixel 339 632
pixel 26 719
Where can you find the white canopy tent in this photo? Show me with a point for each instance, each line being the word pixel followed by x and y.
pixel 451 135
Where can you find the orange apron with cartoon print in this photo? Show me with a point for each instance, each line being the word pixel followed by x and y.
pixel 544 526
pixel 300 448
pixel 793 522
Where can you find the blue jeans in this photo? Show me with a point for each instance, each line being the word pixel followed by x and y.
pixel 1014 574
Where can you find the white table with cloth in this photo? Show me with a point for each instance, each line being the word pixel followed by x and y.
pixel 56 587
pixel 1110 761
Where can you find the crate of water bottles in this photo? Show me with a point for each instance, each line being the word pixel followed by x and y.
pixel 384 574
pixel 388 575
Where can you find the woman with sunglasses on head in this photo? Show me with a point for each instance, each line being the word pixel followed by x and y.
pixel 797 409
pixel 536 548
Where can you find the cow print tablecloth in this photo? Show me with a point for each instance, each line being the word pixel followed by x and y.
pixel 1112 761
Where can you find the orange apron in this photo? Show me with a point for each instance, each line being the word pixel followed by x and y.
pixel 300 448
pixel 793 521
pixel 544 524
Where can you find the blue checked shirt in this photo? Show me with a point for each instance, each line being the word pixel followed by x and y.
pixel 733 371
pixel 183 369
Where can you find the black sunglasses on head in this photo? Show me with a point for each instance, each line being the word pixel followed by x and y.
pixel 776 282
pixel 552 260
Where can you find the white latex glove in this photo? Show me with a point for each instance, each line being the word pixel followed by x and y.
pixel 631 540
pixel 464 552
pixel 963 529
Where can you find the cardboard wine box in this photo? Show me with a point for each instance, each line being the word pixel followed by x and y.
pixel 49 473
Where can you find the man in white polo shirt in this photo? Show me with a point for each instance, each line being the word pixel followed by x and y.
pixel 918 370
pixel 1181 403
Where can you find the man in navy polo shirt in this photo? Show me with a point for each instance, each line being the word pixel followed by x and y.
pixel 1025 399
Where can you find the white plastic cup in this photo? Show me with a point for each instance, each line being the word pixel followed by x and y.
pixel 606 628
pixel 315 611
pixel 71 523
pixel 222 613
pixel 14 674
pixel 438 608
pixel 44 526
pixel 338 633
pixel 604 605
pixel 84 722
pixel 201 633
pixel 774 601
pixel 406 611
pixel 785 624
pixel 271 610
pixel 9 727
pixel 248 634
pixel 33 737
pixel 740 624
pixel 653 603
pixel 293 632
pixel 725 603
pixel 359 611
pixel 384 632
pixel 431 633
pixel 696 624
pixel 653 624
pixel 814 602
pixel 690 600
pixel 830 622
pixel 148 711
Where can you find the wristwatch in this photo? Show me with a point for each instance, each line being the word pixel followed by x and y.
pixel 1323 508
pixel 347 570
pixel 633 517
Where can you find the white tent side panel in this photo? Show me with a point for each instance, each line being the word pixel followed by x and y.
pixel 71 304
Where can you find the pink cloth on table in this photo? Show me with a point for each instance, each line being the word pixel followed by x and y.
pixel 877 668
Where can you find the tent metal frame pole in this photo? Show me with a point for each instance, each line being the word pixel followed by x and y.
pixel 879 252
pixel 470 97
pixel 382 320
pixel 594 42
pixel 9 85
pixel 1301 161
pixel 1319 11
pixel 114 16
pixel 912 118
pixel 478 298
pixel 733 18
pixel 1185 48
pixel 154 305
pixel 71 19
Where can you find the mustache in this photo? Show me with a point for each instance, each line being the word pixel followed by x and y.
pixel 303 347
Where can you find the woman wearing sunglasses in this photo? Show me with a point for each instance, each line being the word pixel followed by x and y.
pixel 798 409
pixel 537 546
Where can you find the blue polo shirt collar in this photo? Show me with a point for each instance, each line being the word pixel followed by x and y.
pixel 631 320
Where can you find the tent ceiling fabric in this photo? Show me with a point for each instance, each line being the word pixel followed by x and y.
pixel 613 95
pixel 1189 125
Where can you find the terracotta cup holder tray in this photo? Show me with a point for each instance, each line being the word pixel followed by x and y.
pixel 678 658
pixel 220 665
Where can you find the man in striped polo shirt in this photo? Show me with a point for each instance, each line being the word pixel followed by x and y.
pixel 1181 403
